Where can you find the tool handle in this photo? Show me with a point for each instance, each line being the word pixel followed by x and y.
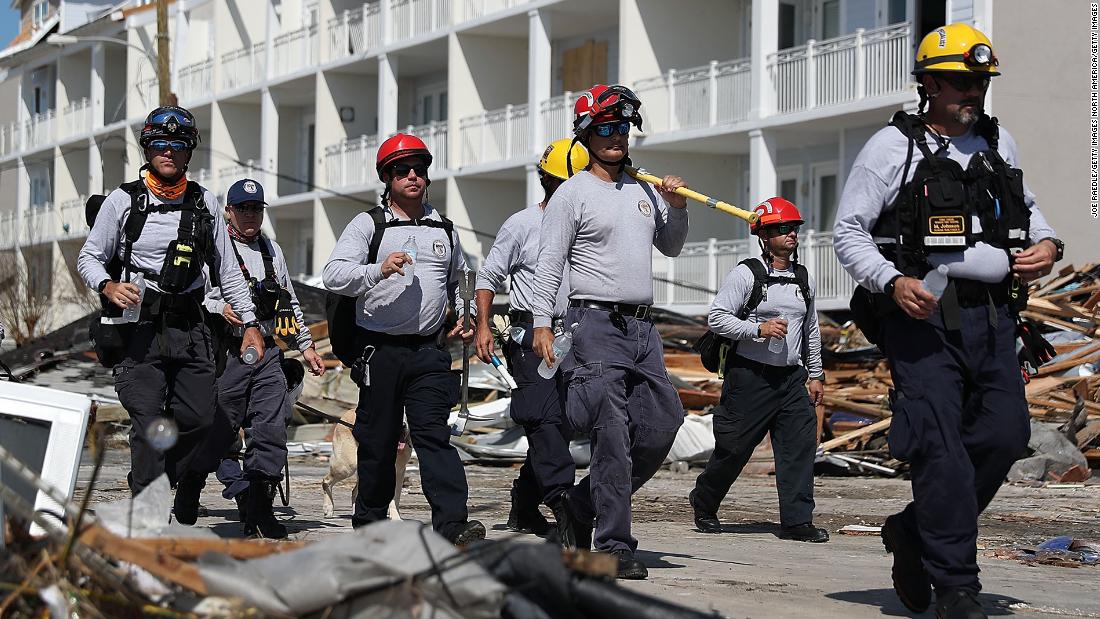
pixel 691 194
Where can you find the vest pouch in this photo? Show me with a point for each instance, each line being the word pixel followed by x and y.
pixel 945 223
pixel 714 350
pixel 182 266
pixel 265 296
pixel 109 340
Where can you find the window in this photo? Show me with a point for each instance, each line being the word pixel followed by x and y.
pixel 786 25
pixel 822 214
pixel 830 19
pixel 40 10
pixel 896 11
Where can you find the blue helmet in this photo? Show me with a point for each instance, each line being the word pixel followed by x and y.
pixel 170 122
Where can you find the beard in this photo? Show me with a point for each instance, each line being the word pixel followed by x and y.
pixel 967 116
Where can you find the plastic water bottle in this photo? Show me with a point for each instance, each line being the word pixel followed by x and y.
pixel 162 434
pixel 250 355
pixel 775 344
pixel 936 281
pixel 409 268
pixel 562 345
pixel 516 334
pixel 133 312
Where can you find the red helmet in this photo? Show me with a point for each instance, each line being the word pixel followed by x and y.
pixel 606 103
pixel 398 147
pixel 776 211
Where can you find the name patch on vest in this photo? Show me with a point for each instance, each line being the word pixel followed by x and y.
pixel 946 224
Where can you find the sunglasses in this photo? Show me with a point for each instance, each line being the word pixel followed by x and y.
pixel 964 83
pixel 782 229
pixel 248 207
pixel 174 145
pixel 402 169
pixel 606 129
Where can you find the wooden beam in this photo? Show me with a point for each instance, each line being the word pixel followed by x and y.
pixel 159 564
pixel 840 441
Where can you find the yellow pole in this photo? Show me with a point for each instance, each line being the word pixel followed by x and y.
pixel 725 207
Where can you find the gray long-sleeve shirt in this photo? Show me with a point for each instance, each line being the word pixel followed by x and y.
pixel 873 186
pixel 386 305
pixel 802 346
pixel 254 261
pixel 605 232
pixel 515 253
pixel 107 239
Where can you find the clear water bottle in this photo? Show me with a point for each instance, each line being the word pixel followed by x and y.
pixel 409 268
pixel 775 344
pixel 935 282
pixel 516 334
pixel 162 434
pixel 250 355
pixel 563 343
pixel 133 312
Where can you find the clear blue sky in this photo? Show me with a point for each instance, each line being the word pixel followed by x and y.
pixel 9 23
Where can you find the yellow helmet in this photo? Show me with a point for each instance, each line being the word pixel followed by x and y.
pixel 956 47
pixel 553 158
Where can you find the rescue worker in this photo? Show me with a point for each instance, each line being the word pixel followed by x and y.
pixel 148 246
pixel 254 395
pixel 537 402
pixel 605 222
pixel 942 188
pixel 401 304
pixel 765 301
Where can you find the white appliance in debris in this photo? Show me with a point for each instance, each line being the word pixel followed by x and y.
pixel 44 429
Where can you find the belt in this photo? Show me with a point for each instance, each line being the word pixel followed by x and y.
pixel 520 316
pixel 412 340
pixel 640 312
pixel 185 306
pixel 972 293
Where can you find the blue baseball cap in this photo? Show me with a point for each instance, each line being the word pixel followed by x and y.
pixel 245 190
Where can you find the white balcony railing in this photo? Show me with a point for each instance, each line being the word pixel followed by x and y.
pixel 473 9
pixel 76 119
pixel 148 95
pixel 688 279
pixel 352 33
pixel 10 142
pixel 202 176
pixel 350 162
pixel 496 135
pixel 230 174
pixel 195 81
pixel 412 18
pixel 868 63
pixel 434 135
pixel 39 130
pixel 556 116
pixel 704 96
pixel 8 229
pixel 295 50
pixel 243 67
pixel 48 222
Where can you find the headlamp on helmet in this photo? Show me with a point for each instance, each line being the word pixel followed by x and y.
pixel 980 55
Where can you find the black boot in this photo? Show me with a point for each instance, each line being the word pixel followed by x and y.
pixel 805 533
pixel 242 505
pixel 185 505
pixel 573 531
pixel 261 519
pixel 468 533
pixel 958 604
pixel 630 568
pixel 706 521
pixel 910 580
pixel 525 517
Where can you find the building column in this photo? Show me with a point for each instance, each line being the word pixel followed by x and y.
pixel 762 176
pixel 22 198
pixel 95 167
pixel 765 41
pixel 269 144
pixel 387 94
pixel 538 90
pixel 270 24
pixel 97 91
pixel 179 41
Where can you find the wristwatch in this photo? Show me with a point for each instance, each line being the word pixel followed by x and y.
pixel 889 287
pixel 820 376
pixel 1061 247
pixel 252 324
pixel 102 285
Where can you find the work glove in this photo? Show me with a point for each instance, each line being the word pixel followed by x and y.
pixel 1035 350
pixel 286 323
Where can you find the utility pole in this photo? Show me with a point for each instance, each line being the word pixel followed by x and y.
pixel 164 75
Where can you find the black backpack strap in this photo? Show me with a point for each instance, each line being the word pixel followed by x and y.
pixel 759 277
pixel 990 129
pixel 802 277
pixel 240 260
pixel 267 252
pixel 380 224
pixel 135 221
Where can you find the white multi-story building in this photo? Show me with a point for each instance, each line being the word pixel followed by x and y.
pixel 743 98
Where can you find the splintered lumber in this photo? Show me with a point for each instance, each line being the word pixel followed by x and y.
pixel 159 564
pixel 192 548
pixel 863 409
pixel 845 439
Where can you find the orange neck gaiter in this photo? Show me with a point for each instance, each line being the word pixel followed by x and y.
pixel 162 190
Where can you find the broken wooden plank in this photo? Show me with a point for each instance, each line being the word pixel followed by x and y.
pixel 841 441
pixel 192 548
pixel 160 564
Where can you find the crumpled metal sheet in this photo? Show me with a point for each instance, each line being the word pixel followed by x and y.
pixel 369 572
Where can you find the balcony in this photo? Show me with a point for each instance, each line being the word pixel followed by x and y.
pixel 474 9
pixel 49 222
pixel 866 64
pixel 350 162
pixel 8 229
pixel 231 174
pixel 352 33
pixel 556 116
pixel 148 95
pixel 243 67
pixel 39 130
pixel 413 18
pixel 687 282
pixel 295 51
pixel 195 81
pixel 497 135
pixel 76 119
pixel 714 94
pixel 9 139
